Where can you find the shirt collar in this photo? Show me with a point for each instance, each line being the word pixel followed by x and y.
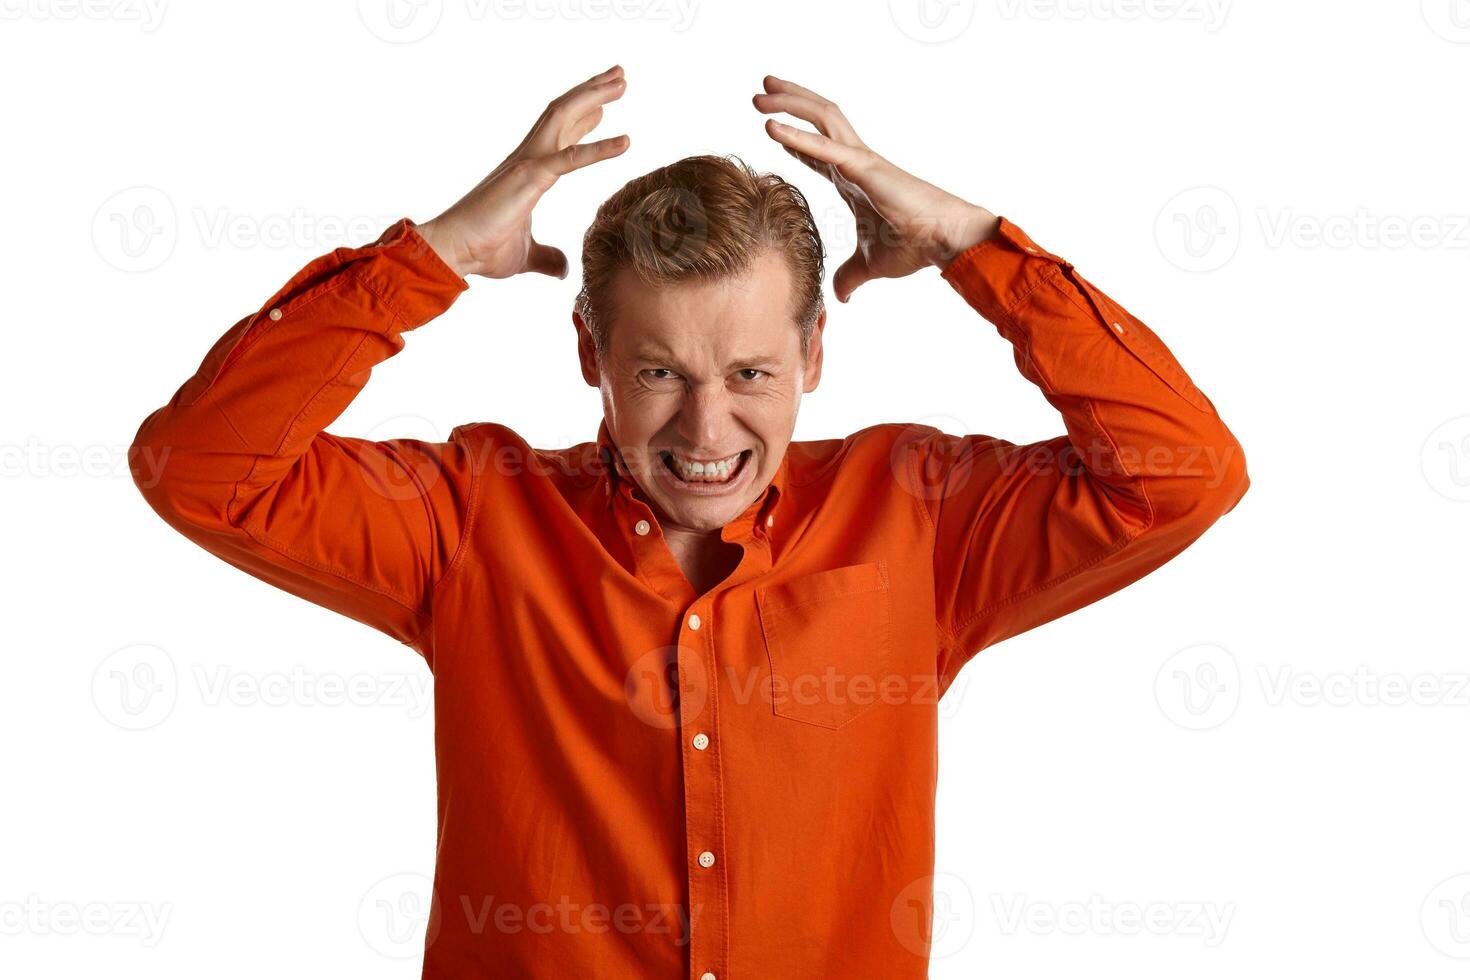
pixel 618 479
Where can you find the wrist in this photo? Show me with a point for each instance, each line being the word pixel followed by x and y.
pixel 963 233
pixel 444 245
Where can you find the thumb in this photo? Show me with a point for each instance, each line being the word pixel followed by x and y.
pixel 547 260
pixel 850 275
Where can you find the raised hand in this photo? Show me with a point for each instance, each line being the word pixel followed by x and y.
pixel 904 224
pixel 488 231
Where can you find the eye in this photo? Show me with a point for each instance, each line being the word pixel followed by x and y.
pixel 745 374
pixel 660 374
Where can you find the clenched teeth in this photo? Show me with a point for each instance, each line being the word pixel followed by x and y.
pixel 714 472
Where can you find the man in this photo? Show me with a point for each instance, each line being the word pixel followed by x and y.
pixel 686 674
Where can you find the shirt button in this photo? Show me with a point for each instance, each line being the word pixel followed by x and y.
pixel 706 859
pixel 641 527
pixel 694 621
pixel 1118 327
pixel 706 976
pixel 275 313
pixel 770 519
pixel 701 741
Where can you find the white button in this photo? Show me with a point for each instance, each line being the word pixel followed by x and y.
pixel 641 527
pixel 1118 327
pixel 706 858
pixel 701 741
pixel 706 976
pixel 694 621
pixel 770 519
pixel 275 314
pixel 1030 249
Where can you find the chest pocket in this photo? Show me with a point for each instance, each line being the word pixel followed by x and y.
pixel 827 638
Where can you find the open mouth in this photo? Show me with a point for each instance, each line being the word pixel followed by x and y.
pixel 714 473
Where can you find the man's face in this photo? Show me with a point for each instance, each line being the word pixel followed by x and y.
pixel 708 374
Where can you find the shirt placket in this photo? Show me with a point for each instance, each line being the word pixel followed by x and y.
pixel 700 731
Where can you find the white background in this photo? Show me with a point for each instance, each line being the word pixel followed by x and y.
pixel 1259 750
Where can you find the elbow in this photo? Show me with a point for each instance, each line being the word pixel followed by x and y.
pixel 1228 480
pixel 1195 497
pixel 146 459
pixel 157 480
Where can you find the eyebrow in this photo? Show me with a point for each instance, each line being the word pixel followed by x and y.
pixel 659 353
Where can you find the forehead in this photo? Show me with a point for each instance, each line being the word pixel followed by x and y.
pixel 740 316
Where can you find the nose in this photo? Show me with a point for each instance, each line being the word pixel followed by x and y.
pixel 704 418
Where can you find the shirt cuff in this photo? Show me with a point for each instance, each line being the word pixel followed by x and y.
pixel 405 272
pixel 996 274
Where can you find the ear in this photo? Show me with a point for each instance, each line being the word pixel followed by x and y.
pixel 586 352
pixel 813 371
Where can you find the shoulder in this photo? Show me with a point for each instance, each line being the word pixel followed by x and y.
pixel 499 452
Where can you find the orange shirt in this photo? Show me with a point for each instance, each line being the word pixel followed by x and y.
pixel 774 818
